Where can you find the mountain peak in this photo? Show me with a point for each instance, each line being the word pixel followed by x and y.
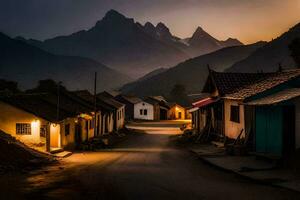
pixel 162 26
pixel 113 14
pixel 149 25
pixel 163 31
pixel 199 31
pixel 232 42
pixel 114 17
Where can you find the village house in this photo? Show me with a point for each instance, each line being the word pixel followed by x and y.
pixel 129 102
pixel 268 112
pixel 251 107
pixel 208 112
pixel 105 120
pixel 151 108
pixel 118 107
pixel 40 123
pixel 176 112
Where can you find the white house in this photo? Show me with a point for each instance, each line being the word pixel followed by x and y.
pixel 144 110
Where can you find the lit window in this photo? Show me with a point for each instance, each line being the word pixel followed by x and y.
pixel 43 130
pixel 23 128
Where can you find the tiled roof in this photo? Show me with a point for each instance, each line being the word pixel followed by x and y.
pixel 156 101
pixel 87 96
pixel 110 101
pixel 281 96
pixel 69 102
pixel 35 104
pixel 262 85
pixel 131 99
pixel 227 83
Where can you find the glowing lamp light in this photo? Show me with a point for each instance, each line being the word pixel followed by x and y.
pixel 35 130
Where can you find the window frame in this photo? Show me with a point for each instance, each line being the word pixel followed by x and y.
pixel 22 129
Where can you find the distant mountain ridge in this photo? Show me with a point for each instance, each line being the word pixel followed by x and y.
pixel 129 47
pixel 269 57
pixel 28 64
pixel 191 73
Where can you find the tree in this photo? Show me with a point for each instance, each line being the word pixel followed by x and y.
pixel 9 86
pixel 178 94
pixel 47 85
pixel 295 50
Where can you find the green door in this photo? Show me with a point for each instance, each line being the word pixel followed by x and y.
pixel 269 130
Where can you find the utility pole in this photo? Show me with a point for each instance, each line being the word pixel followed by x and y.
pixel 95 104
pixel 58 101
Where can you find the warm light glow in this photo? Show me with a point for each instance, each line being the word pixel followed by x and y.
pixel 85 116
pixel 55 135
pixel 35 130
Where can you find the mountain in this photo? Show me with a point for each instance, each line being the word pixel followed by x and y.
pixel 191 73
pixel 27 64
pixel 271 55
pixel 118 42
pixel 129 47
pixel 202 43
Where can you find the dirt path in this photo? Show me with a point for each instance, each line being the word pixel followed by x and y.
pixel 143 167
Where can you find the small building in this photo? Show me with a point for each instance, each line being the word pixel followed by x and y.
pixel 267 112
pixel 151 109
pixel 176 112
pixel 146 111
pixel 118 107
pixel 259 109
pixel 105 122
pixel 36 122
pixel 129 102
pixel 209 114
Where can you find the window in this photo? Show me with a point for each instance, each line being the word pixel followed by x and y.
pixel 91 123
pixel 67 129
pixel 23 128
pixel 235 114
pixel 141 111
pixel 43 130
pixel 145 111
pixel 179 115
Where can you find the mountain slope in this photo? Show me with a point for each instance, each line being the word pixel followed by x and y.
pixel 28 64
pixel 132 48
pixel 118 42
pixel 271 55
pixel 202 43
pixel 191 73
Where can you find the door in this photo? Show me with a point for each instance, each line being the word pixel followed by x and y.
pixel 179 115
pixel 78 138
pixel 289 143
pixel 268 137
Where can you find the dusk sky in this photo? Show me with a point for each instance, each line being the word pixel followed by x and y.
pixel 247 20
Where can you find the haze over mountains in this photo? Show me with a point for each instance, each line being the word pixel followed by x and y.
pixel 144 52
pixel 191 73
pixel 131 48
pixel 272 55
pixel 27 65
pixel 261 56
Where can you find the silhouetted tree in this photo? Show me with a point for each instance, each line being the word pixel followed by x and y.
pixel 9 86
pixel 47 85
pixel 178 94
pixel 295 50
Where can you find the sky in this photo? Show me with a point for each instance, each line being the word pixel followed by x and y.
pixel 247 20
